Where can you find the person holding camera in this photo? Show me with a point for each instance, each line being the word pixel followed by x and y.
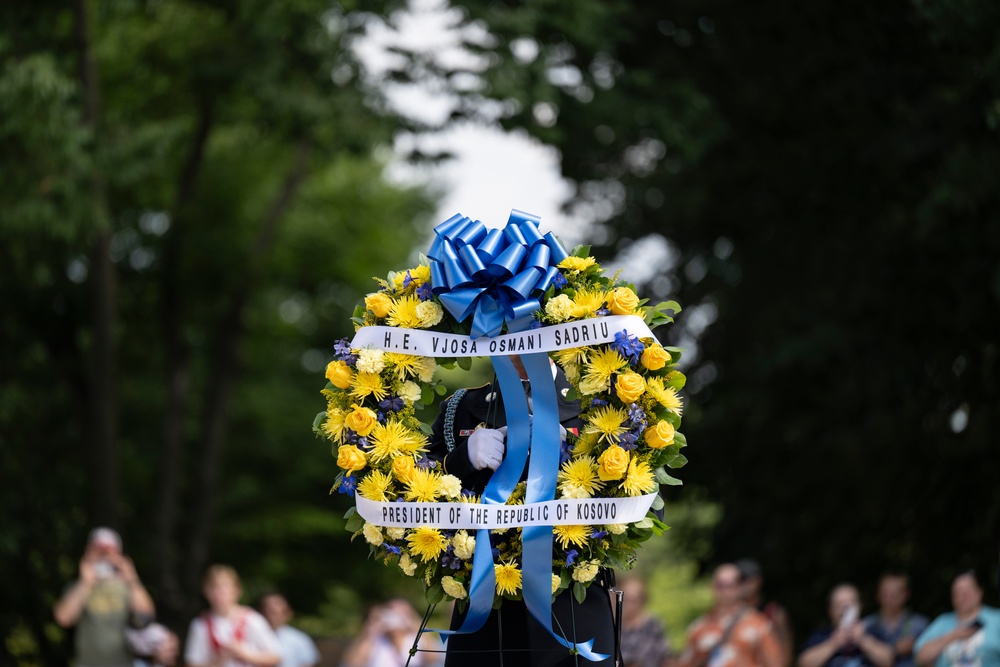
pixel 100 601
pixel 847 642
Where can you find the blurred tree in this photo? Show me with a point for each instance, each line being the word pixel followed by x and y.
pixel 189 211
pixel 825 175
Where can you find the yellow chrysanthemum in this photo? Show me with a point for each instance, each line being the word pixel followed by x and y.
pixel 665 396
pixel 578 478
pixel 586 303
pixel 608 421
pixel 374 486
pixel 427 543
pixel 586 444
pixel 333 426
pixel 573 355
pixel 423 486
pixel 404 313
pixel 639 479
pixel 406 365
pixel 508 578
pixel 575 535
pixel 393 439
pixel 603 364
pixel 576 263
pixel 420 274
pixel 366 384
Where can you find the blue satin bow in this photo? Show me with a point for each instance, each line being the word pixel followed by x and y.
pixel 493 275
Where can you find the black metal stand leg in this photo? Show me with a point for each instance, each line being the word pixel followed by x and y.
pixel 619 595
pixel 423 628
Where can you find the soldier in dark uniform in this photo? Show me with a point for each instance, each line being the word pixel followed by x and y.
pixel 468 437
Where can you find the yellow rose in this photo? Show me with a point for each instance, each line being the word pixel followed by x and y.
pixel 613 463
pixel 654 357
pixel 659 435
pixel 378 303
pixel 350 458
pixel 629 387
pixel 402 468
pixel 339 374
pixel 622 301
pixel 361 420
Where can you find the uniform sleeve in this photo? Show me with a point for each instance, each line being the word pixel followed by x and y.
pixel 197 651
pixel 457 461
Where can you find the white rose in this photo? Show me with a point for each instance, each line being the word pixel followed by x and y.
pixel 406 564
pixel 450 486
pixel 429 312
pixel 585 571
pixel 395 533
pixel 370 361
pixel 373 534
pixel 617 528
pixel 465 545
pixel 425 371
pixel 559 308
pixel 453 587
pixel 409 392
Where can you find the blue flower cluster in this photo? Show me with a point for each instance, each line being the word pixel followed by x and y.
pixel 636 422
pixel 342 350
pixel 629 347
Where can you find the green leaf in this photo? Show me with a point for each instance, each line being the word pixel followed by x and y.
pixel 465 363
pixel 579 592
pixel 657 502
pixel 434 594
pixel 354 524
pixel 677 460
pixel 680 440
pixel 668 305
pixel 644 522
pixel 318 421
pixel 671 481
pixel 581 251
pixel 440 390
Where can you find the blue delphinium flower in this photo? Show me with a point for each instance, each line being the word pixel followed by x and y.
pixel 628 440
pixel 598 403
pixel 629 347
pixel 535 324
pixel 342 349
pixel 408 280
pixel 559 281
pixel 391 404
pixel 565 452
pixel 425 462
pixel 450 560
pixel 571 556
pixel 393 549
pixel 348 485
pixel 602 312
pixel 598 534
pixel 425 292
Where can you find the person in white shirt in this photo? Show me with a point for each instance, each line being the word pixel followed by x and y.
pixel 297 648
pixel 229 634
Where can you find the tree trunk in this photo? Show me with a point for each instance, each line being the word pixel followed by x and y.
pixel 103 447
pixel 178 373
pixel 226 354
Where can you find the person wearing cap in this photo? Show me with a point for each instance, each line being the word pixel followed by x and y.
pixel 99 602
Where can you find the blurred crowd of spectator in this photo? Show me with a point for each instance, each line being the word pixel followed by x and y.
pixel 743 629
pixel 115 625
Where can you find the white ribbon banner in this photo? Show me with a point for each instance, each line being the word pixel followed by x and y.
pixel 473 516
pixel 592 331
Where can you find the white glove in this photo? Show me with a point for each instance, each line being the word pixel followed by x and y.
pixel 486 448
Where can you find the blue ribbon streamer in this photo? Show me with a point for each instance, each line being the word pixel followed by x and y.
pixel 493 276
